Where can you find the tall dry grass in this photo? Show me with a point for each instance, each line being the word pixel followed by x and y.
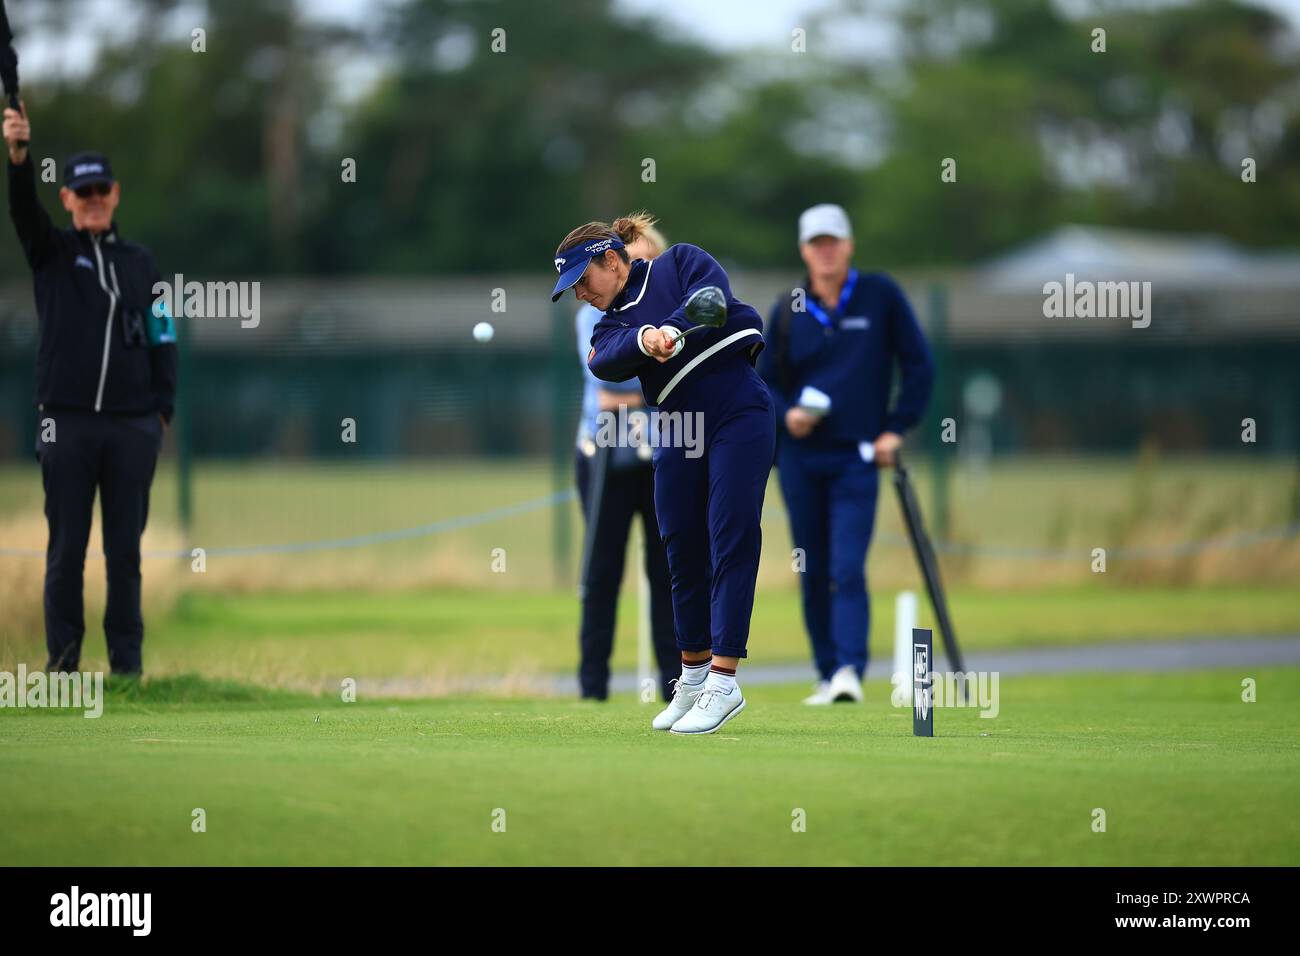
pixel 22 581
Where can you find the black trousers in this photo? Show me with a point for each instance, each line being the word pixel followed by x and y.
pixel 626 492
pixel 116 455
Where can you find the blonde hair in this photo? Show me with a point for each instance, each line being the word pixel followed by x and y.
pixel 627 229
pixel 639 225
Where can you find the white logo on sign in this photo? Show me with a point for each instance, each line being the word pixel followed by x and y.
pixel 921 689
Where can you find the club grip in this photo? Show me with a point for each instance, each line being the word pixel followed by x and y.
pixel 14 104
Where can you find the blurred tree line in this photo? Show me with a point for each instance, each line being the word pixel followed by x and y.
pixel 470 160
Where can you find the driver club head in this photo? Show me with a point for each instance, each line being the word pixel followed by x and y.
pixel 707 306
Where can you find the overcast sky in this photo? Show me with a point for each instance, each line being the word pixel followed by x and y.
pixel 728 24
pixel 746 23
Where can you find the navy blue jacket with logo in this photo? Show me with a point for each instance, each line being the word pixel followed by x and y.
pixel 654 296
pixel 94 300
pixel 851 360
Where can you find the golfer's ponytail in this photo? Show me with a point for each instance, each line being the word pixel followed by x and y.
pixel 627 228
pixel 639 225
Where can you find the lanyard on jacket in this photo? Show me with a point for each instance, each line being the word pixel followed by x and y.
pixel 845 294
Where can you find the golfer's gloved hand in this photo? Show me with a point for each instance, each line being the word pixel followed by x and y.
pixel 662 343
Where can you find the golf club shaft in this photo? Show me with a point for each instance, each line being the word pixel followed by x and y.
pixel 929 564
pixel 688 332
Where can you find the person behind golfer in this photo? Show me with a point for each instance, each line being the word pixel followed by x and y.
pixel 615 483
pixel 708 491
pixel 829 366
pixel 105 388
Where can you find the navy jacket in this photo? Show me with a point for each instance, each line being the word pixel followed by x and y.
pixel 655 296
pixel 92 295
pixel 851 360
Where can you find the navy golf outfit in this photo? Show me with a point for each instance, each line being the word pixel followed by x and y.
pixel 709 504
pixel 847 351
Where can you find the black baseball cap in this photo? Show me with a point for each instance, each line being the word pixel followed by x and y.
pixel 86 169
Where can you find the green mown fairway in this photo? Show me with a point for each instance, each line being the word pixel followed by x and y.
pixel 1186 772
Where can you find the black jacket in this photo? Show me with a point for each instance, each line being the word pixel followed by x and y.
pixel 93 294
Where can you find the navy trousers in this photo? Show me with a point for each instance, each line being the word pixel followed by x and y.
pixel 115 455
pixel 830 495
pixel 710 506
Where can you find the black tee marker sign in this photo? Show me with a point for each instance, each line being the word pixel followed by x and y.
pixel 922 681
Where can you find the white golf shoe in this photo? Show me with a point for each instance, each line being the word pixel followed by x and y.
pixel 684 695
pixel 712 709
pixel 845 685
pixel 821 696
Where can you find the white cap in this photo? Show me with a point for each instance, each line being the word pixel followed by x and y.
pixel 824 220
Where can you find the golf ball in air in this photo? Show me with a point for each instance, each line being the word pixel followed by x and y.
pixel 483 332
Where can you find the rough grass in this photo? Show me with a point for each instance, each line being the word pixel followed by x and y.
pixel 436 639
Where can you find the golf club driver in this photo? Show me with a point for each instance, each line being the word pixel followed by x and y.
pixel 707 308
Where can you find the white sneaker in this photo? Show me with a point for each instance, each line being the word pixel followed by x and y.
pixel 683 700
pixel 845 685
pixel 712 709
pixel 821 696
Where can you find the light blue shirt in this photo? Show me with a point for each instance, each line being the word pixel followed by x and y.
pixel 586 319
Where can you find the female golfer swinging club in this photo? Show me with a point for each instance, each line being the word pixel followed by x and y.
pixel 708 486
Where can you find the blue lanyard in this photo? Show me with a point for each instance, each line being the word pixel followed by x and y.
pixel 845 294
